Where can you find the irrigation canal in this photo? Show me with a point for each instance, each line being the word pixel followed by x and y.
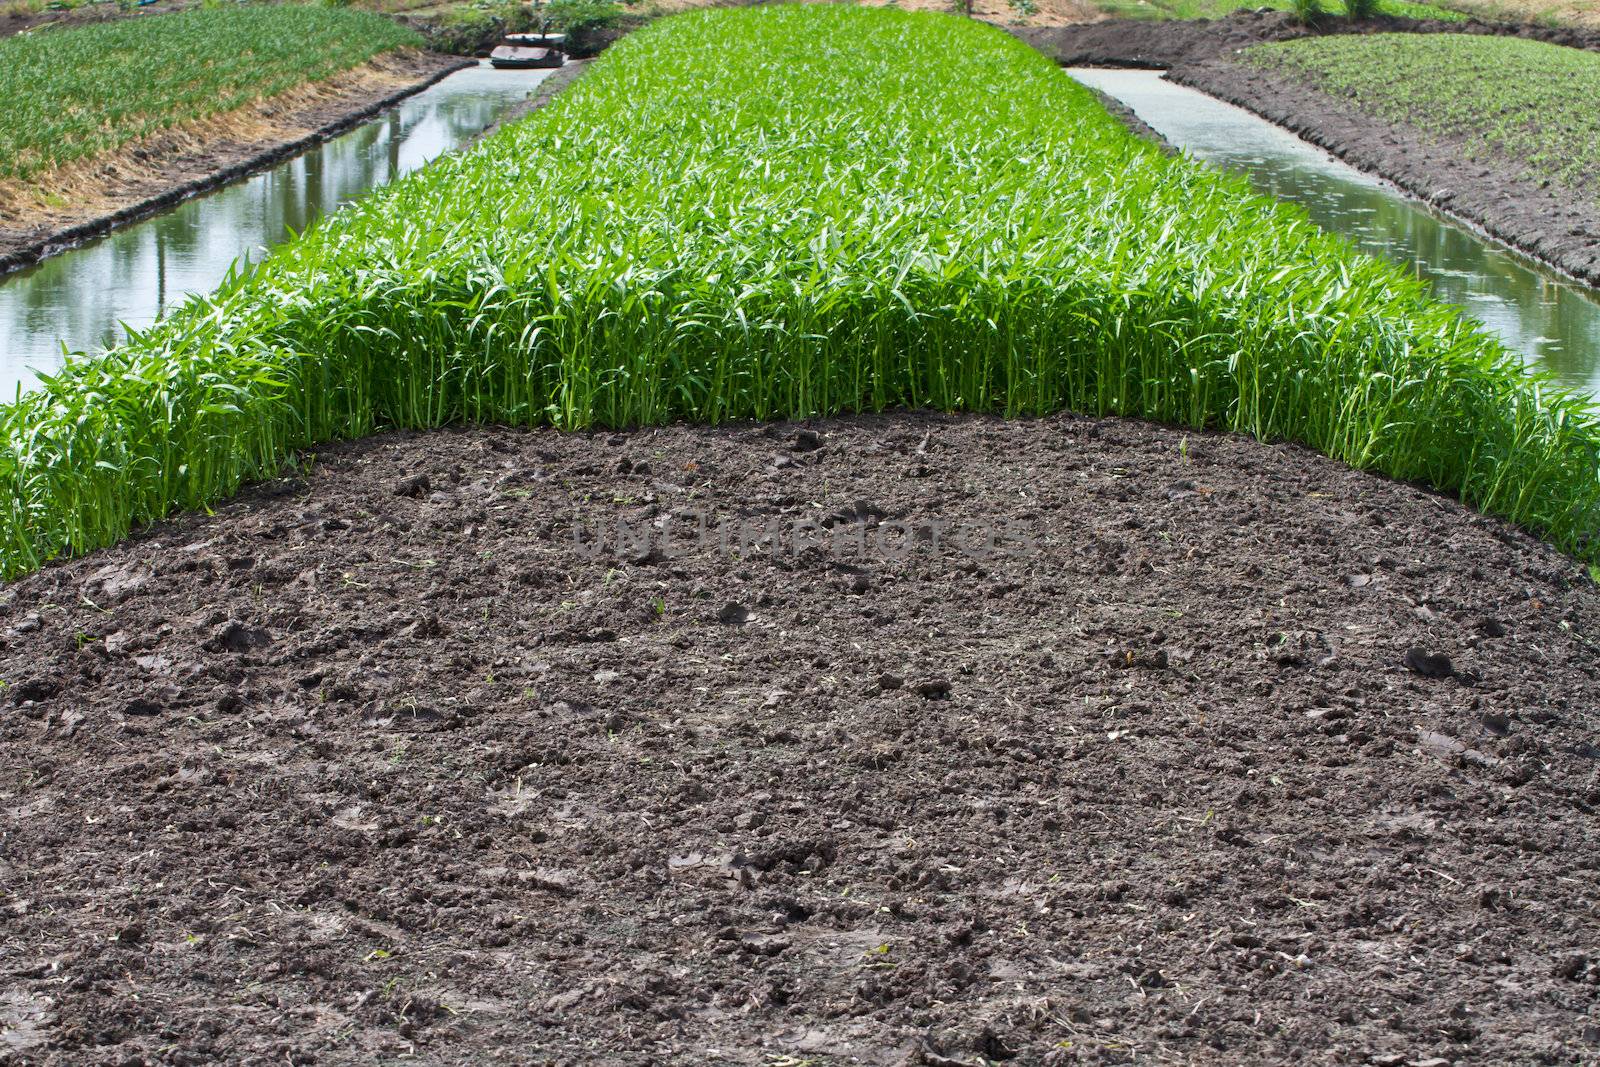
pixel 82 297
pixel 1554 324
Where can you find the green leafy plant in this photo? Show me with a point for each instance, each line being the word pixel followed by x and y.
pixel 579 16
pixel 1309 12
pixel 762 213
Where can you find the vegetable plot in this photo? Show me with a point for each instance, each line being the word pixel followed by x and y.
pixel 74 93
pixel 1505 97
pixel 779 212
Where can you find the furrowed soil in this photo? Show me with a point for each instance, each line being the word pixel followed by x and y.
pixel 1218 752
pixel 84 200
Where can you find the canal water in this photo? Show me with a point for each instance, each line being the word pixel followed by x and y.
pixel 1554 324
pixel 82 298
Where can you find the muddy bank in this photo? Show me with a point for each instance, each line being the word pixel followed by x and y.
pixel 1554 224
pixel 1062 741
pixel 1155 45
pixel 142 180
pixel 1558 226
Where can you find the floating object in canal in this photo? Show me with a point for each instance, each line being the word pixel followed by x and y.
pixel 513 57
pixel 557 41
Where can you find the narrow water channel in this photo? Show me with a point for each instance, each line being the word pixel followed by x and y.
pixel 133 276
pixel 1554 324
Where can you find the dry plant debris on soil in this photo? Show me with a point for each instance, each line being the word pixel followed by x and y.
pixel 1223 753
pixel 1554 12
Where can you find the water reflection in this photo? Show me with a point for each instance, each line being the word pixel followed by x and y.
pixel 133 276
pixel 1554 324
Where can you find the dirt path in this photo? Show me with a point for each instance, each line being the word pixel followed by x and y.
pixel 64 209
pixel 1223 753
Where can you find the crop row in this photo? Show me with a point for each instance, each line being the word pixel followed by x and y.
pixel 78 92
pixel 783 212
pixel 1528 102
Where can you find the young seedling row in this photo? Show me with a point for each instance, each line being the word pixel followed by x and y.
pixel 785 212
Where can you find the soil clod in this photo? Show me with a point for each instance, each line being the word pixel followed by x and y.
pixel 1428 664
pixel 414 486
pixel 238 638
pixel 806 440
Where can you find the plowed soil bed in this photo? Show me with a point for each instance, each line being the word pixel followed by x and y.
pixel 385 761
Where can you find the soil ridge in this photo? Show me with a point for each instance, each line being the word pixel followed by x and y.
pixel 1555 225
pixel 224 162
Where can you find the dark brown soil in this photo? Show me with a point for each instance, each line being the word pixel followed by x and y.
pixel 1160 44
pixel 15 22
pixel 1225 753
pixel 1551 222
pixel 168 180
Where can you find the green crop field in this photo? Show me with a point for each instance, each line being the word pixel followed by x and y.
pixel 785 211
pixel 74 93
pixel 1526 101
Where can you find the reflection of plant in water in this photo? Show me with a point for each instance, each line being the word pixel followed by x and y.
pixel 77 93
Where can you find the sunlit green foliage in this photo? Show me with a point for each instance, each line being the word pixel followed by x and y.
pixel 781 212
pixel 1533 103
pixel 72 93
